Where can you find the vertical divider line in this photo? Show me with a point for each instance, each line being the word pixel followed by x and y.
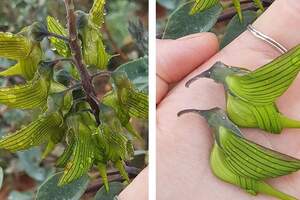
pixel 152 100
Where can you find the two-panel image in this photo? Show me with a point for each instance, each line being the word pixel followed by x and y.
pixel 146 100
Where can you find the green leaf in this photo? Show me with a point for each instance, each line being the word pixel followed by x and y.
pixel 180 23
pixel 115 189
pixel 30 161
pixel 50 190
pixel 235 27
pixel 137 72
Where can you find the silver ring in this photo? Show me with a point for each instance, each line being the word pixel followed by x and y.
pixel 267 39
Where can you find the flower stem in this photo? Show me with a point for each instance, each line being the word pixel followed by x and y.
pixel 86 79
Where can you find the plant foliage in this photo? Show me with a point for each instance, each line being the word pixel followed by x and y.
pixel 96 129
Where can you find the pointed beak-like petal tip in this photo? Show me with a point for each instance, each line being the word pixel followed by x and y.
pixel 204 74
pixel 188 111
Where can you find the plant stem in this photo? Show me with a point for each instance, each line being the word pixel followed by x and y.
pixel 86 79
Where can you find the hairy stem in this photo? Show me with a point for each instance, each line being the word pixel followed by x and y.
pixel 86 79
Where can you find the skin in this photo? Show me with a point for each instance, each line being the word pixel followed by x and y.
pixel 184 144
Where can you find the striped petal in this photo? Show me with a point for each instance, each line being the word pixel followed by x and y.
pixel 201 5
pixel 96 14
pixel 34 134
pixel 83 154
pixel 264 85
pixel 94 52
pixel 237 6
pixel 55 27
pixel 251 160
pixel 14 46
pixel 32 94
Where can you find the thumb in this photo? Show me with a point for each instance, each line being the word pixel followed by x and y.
pixel 177 58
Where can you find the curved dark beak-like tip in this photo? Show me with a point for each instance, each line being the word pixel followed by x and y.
pixel 187 111
pixel 205 74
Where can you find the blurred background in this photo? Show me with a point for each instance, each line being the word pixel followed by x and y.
pixel 25 171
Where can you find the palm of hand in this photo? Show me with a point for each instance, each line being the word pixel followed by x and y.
pixel 184 144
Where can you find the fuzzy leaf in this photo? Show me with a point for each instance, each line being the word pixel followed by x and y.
pixel 50 190
pixel 202 5
pixel 115 189
pixel 180 23
pixel 34 134
pixel 137 72
pixel 97 12
pixel 55 27
pixel 30 161
pixel 236 27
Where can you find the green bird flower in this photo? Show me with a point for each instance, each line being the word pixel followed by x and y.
pixel 111 99
pixel 90 144
pixel 93 49
pixel 251 95
pixel 113 143
pixel 24 50
pixel 243 163
pixel 32 94
pixel 134 102
pixel 82 155
pixel 202 5
pixel 47 126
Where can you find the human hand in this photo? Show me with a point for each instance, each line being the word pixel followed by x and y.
pixel 184 144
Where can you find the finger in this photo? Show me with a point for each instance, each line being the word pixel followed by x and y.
pixel 283 29
pixel 177 58
pixel 138 189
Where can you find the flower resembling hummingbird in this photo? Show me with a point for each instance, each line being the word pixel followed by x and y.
pixel 251 95
pixel 22 48
pixel 238 161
